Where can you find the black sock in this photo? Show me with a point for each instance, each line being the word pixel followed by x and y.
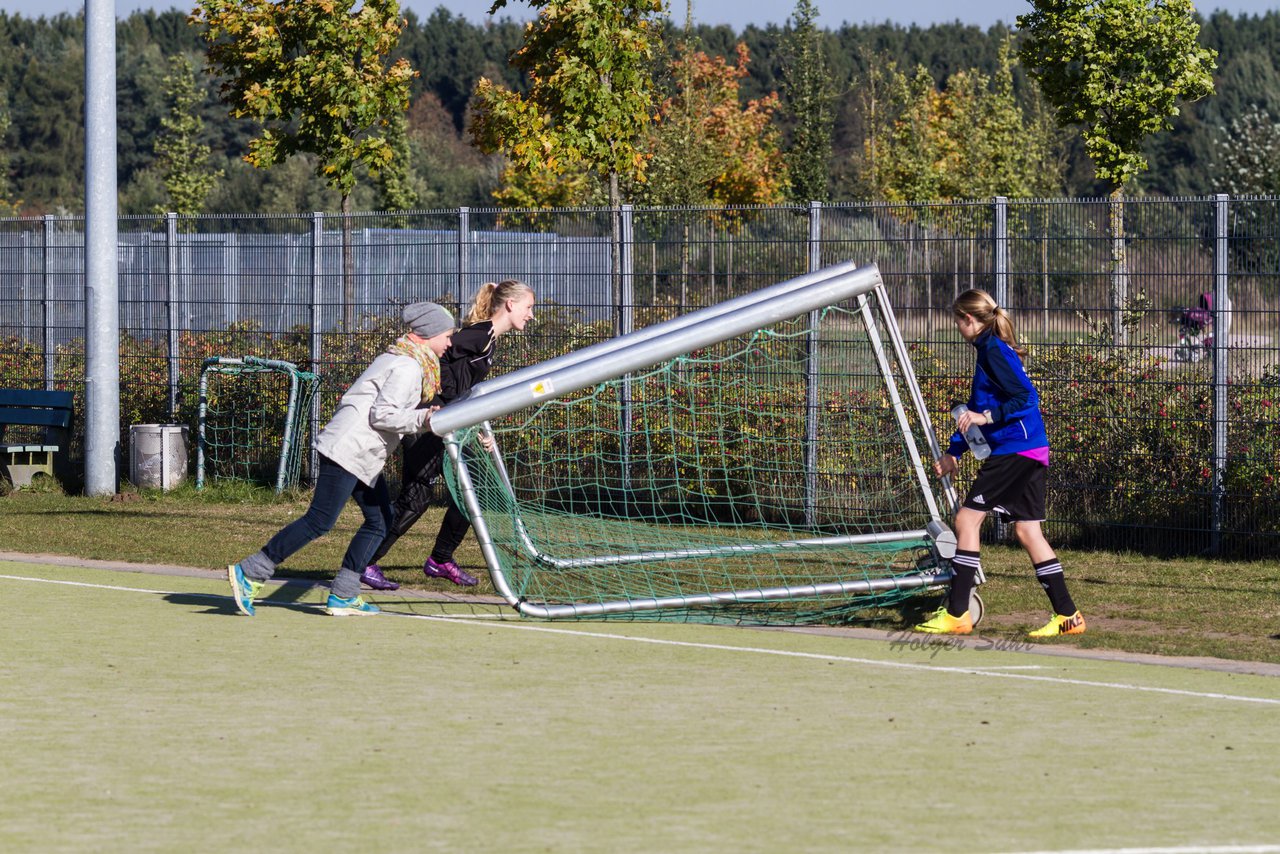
pixel 965 565
pixel 1049 574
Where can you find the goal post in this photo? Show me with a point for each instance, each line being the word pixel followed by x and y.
pixel 706 511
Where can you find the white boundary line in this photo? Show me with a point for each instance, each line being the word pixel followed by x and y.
pixel 873 662
pixel 902 665
pixel 1195 849
pixel 104 586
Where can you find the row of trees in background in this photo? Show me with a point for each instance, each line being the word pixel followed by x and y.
pixel 767 115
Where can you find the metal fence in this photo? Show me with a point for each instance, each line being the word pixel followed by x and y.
pixel 1161 407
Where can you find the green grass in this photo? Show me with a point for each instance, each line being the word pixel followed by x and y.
pixel 164 721
pixel 1190 607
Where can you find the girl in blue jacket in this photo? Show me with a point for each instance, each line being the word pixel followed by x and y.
pixel 1005 406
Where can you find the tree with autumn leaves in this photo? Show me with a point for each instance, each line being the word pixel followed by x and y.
pixel 706 146
pixel 592 127
pixel 590 94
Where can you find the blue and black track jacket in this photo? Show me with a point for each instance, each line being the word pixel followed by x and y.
pixel 1001 387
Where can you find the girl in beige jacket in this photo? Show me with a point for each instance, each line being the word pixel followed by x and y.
pixel 377 411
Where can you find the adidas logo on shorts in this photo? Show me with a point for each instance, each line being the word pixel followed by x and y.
pixel 977 499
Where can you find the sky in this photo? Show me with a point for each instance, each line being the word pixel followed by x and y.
pixel 736 13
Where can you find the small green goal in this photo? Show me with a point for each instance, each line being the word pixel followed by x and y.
pixel 253 419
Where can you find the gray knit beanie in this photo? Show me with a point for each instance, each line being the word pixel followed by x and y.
pixel 427 319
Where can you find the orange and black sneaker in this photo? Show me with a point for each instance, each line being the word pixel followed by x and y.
pixel 1060 625
pixel 942 623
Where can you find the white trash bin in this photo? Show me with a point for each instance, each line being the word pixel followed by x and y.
pixel 157 455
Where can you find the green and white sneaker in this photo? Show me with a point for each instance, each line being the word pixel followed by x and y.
pixel 243 589
pixel 339 607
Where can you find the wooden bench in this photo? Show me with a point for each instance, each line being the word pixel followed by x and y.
pixel 49 410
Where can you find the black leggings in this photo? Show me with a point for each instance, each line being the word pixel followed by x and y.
pixel 423 461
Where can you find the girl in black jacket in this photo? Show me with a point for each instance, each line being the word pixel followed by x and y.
pixel 498 308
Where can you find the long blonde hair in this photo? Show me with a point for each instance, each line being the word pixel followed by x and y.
pixel 491 296
pixel 979 305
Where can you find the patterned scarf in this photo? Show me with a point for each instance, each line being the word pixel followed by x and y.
pixel 420 353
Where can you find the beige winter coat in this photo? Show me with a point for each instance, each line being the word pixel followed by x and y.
pixel 377 411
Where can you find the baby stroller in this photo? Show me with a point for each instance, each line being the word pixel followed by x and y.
pixel 1193 324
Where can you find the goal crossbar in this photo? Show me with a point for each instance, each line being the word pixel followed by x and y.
pixel 625 354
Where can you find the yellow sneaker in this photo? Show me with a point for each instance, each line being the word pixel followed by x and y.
pixel 1060 625
pixel 942 623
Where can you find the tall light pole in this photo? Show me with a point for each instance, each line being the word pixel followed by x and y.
pixel 101 253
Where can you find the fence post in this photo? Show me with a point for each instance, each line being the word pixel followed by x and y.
pixel 464 251
pixel 626 322
pixel 317 340
pixel 626 249
pixel 25 289
pixel 231 262
pixel 1002 251
pixel 1119 285
pixel 1001 262
pixel 171 306
pixel 812 375
pixel 46 254
pixel 1221 342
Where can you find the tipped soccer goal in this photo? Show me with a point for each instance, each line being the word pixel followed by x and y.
pixel 252 421
pixel 758 461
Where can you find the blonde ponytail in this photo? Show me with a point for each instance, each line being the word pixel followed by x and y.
pixel 491 296
pixel 979 305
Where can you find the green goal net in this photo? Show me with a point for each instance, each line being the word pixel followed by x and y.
pixel 252 421
pixel 773 477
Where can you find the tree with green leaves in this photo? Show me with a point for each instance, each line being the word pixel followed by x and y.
pixel 1118 70
pixel 182 159
pixel 44 85
pixel 8 207
pixel 1246 162
pixel 902 155
pixel 969 140
pixel 807 100
pixel 395 182
pixel 1018 149
pixel 590 91
pixel 531 188
pixel 315 75
pixel 1247 155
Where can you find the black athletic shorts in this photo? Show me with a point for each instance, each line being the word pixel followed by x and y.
pixel 1011 485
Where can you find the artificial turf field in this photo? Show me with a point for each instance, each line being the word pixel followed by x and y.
pixel 140 712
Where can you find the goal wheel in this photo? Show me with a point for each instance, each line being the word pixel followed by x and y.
pixel 976 607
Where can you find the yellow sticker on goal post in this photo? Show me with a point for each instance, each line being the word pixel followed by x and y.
pixel 542 388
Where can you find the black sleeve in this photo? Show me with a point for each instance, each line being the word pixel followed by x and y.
pixel 466 362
